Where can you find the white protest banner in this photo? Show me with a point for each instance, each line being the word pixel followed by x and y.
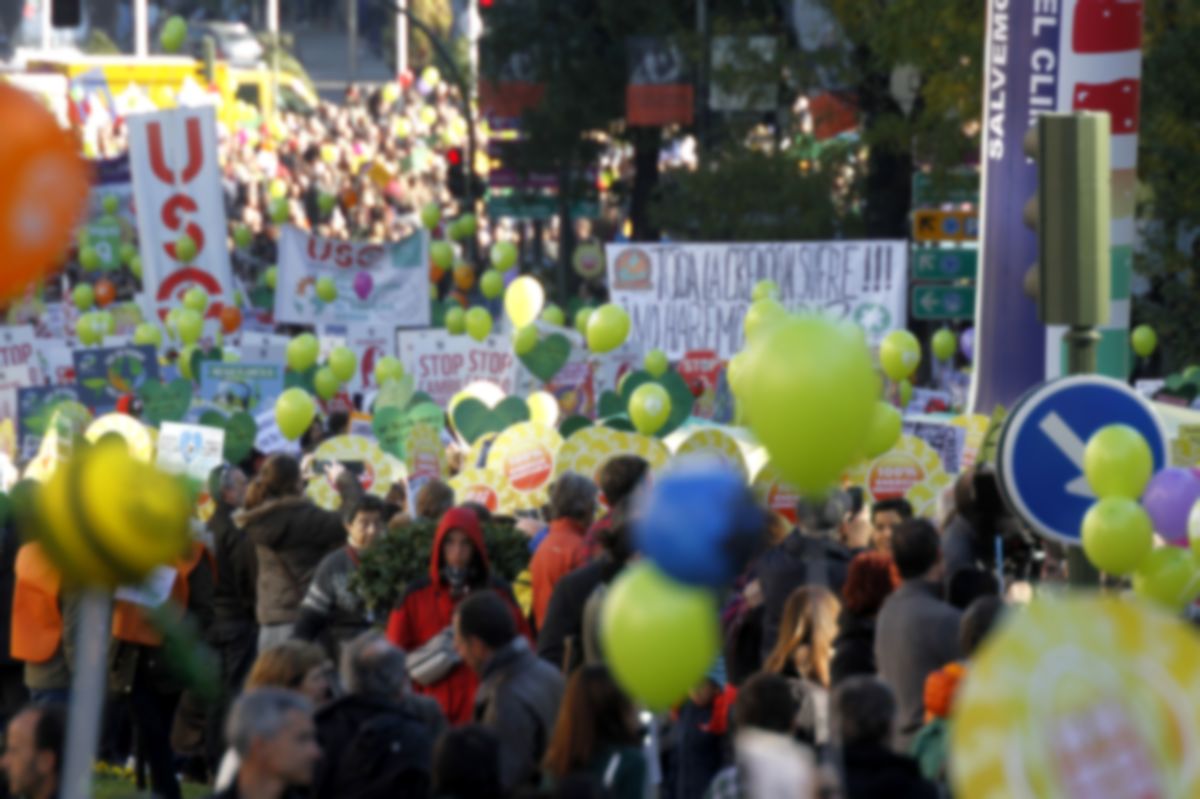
pixel 189 449
pixel 177 189
pixel 441 365
pixel 12 378
pixel 369 343
pixel 377 284
pixel 683 297
pixel 16 349
pixel 262 347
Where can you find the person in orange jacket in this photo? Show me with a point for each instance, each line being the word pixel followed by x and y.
pixel 45 618
pixel 572 507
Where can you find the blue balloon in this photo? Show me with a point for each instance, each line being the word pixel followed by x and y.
pixel 700 525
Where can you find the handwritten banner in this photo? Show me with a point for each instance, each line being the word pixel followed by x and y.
pixel 683 297
pixel 442 365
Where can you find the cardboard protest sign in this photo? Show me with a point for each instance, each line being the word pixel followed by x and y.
pixel 362 457
pixel 684 297
pixel 249 387
pixel 177 189
pixel 17 348
pixel 190 449
pixel 377 284
pixel 35 408
pixel 524 455
pixel 13 378
pixel 486 487
pixel 912 469
pixel 442 365
pixel 709 442
pixel 105 374
pixel 589 449
pixel 424 457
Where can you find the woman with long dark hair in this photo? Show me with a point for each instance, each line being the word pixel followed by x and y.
pixel 803 654
pixel 596 735
pixel 290 535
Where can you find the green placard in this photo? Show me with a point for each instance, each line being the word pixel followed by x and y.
pixel 943 302
pixel 104 236
pixel 537 207
pixel 930 263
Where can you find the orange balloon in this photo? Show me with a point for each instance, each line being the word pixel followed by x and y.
pixel 104 291
pixel 436 273
pixel 464 276
pixel 231 318
pixel 43 194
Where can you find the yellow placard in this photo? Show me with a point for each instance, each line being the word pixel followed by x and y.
pixel 774 493
pixel 1185 447
pixel 137 436
pixel 376 475
pixel 424 457
pixel 977 426
pixel 8 439
pixel 487 487
pixel 591 448
pixel 912 469
pixel 713 442
pixel 1080 696
pixel 524 456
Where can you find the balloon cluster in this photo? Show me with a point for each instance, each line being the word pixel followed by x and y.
pixel 1118 530
pixel 659 629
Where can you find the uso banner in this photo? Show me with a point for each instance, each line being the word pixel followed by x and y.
pixel 441 365
pixel 1057 55
pixel 686 297
pixel 177 190
pixel 376 284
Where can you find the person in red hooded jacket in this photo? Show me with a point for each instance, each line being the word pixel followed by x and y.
pixel 458 565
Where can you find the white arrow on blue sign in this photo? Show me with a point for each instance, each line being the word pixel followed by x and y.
pixel 1042 443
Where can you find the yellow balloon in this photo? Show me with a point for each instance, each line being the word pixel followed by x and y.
pixel 543 408
pixel 523 301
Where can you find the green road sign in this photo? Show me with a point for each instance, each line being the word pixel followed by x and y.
pixel 955 187
pixel 537 207
pixel 104 236
pixel 943 302
pixel 930 263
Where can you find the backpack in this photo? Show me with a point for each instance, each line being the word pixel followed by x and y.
pixel 389 757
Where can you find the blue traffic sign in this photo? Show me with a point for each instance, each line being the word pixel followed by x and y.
pixel 1041 448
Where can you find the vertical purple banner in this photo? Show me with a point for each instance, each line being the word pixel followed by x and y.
pixel 1020 82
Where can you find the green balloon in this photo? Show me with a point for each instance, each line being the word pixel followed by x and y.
pixel 185 249
pixel 885 429
pixel 656 363
pixel 327 290
pixel 468 225
pixel 945 343
pixel 271 276
pixel 135 266
pixel 553 315
pixel 196 298
pixel 478 323
pixel 280 210
pixel 442 254
pixel 491 284
pixel 127 253
pixel 343 363
pixel 147 333
pixel 607 329
pixel 1168 578
pixel 388 369
pixel 190 325
pixel 325 383
pixel 325 203
pixel 503 255
pixel 84 296
pixel 1117 535
pixel 581 320
pixel 89 259
pixel 302 352
pixel 111 204
pixel 431 215
pixel 736 372
pixel 294 412
pixel 900 354
pixel 456 320
pixel 174 34
pixel 525 339
pixel 761 316
pixel 1117 462
pixel 649 408
pixel 1144 340
pixel 810 393
pixel 242 237
pixel 659 637
pixel 905 390
pixel 765 289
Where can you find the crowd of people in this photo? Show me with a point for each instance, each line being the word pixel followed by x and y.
pixel 845 637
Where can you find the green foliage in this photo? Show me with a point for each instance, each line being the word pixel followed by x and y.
pixel 402 555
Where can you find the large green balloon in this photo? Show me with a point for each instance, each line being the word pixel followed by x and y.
pixel 581 320
pixel 525 339
pixel 1144 340
pixel 327 290
pixel 147 333
pixel 607 329
pixel 491 284
pixel 442 254
pixel 649 408
pixel 885 429
pixel 343 363
pixel 503 255
pixel 190 326
pixel 761 316
pixel 1117 462
pixel 659 637
pixel 945 343
pixel 1168 577
pixel 900 354
pixel 431 215
pixel 326 383
pixel 656 363
pixel 479 323
pixel 387 369
pixel 456 320
pixel 302 352
pixel 1117 535
pixel 294 412
pixel 810 392
pixel 173 35
pixel 196 298
pixel 553 315
pixel 84 296
pixel 523 300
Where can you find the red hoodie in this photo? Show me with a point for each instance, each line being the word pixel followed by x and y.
pixel 428 608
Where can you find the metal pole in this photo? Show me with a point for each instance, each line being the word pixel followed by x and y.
pixel 1082 343
pixel 352 26
pixel 401 37
pixel 141 29
pixel 474 29
pixel 273 29
pixel 47 24
pixel 88 689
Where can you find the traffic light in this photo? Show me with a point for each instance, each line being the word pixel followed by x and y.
pixel 66 13
pixel 1071 215
pixel 456 176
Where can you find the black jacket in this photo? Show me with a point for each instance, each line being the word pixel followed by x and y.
pixel 409 748
pixel 800 559
pixel 237 569
pixel 854 647
pixel 872 771
pixel 564 615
